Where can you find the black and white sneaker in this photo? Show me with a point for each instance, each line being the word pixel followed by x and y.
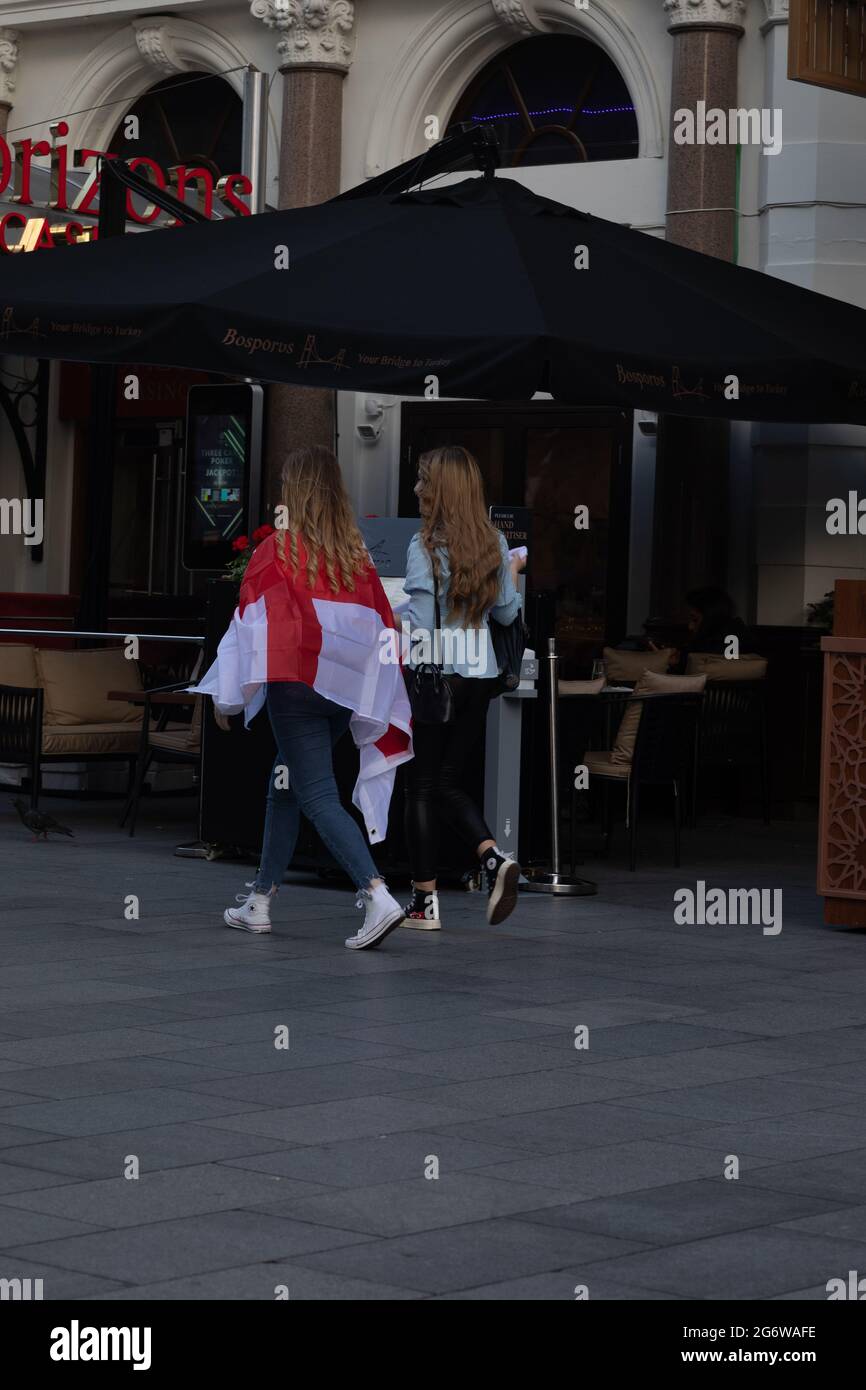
pixel 422 912
pixel 501 877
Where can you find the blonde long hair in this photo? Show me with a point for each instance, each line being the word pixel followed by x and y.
pixel 453 514
pixel 318 510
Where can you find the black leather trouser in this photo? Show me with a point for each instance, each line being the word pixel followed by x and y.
pixel 435 774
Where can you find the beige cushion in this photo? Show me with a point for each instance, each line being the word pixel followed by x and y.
pixel 630 666
pixel 623 746
pixel 650 683
pixel 186 740
pixel 582 687
pixel 723 668
pixel 76 686
pixel 18 665
pixel 603 765
pixel 672 685
pixel 87 739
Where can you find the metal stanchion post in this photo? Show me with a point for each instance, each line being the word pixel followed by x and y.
pixel 552 880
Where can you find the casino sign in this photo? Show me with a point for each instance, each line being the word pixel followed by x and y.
pixel 69 183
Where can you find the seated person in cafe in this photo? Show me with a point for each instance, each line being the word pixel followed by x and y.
pixel 712 619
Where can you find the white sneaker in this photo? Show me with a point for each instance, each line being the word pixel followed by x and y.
pixel 253 915
pixel 422 912
pixel 383 914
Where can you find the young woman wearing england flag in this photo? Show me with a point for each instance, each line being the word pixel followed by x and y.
pixel 307 641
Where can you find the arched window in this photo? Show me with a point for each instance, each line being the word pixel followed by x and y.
pixel 553 99
pixel 193 119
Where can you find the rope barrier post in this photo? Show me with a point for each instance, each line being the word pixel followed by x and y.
pixel 552 880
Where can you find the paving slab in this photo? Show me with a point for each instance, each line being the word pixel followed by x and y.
pixel 161 1195
pixel 463 1257
pixel 422 1203
pixel 190 1245
pixel 567 1128
pixel 686 1211
pixel 58 1285
pixel 273 1280
pixel 376 1159
pixel 311 1170
pixel 122 1110
pixel 157 1147
pixel 756 1264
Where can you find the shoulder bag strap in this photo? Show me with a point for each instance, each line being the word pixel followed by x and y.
pixel 437 629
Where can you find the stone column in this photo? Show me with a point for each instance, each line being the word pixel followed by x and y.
pixel 315 46
pixel 706 34
pixel 692 504
pixel 8 65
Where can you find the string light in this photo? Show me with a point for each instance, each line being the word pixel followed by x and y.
pixel 556 111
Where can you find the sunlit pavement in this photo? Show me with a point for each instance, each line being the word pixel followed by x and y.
pixel 441 1123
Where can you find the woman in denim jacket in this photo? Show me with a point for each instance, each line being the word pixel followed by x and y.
pixel 459 556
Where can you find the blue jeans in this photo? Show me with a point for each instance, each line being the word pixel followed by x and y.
pixel 306 726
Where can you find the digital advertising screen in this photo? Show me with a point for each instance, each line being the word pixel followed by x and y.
pixel 222 472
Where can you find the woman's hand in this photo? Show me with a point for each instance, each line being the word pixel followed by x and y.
pixel 221 721
pixel 516 564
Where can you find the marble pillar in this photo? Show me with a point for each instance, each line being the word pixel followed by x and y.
pixel 692 507
pixel 706 34
pixel 315 45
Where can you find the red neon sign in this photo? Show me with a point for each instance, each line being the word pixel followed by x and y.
pixel 16 166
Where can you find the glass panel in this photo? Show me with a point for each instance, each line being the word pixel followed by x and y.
pixel 131 519
pixel 567 468
pixel 143 527
pixel 553 80
pixel 186 119
pixel 487 443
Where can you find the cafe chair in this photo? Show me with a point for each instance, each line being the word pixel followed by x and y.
pixel 56 708
pixel 656 748
pixel 163 738
pixel 21 732
pixel 585 722
pixel 733 730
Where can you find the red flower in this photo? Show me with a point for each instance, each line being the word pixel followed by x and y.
pixel 261 533
pixel 241 543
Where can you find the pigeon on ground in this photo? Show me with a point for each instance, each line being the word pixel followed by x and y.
pixel 38 821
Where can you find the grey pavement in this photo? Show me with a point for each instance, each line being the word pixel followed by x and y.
pixel 590 1095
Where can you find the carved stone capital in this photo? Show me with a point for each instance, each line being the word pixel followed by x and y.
pixel 777 13
pixel 154 42
pixel 311 33
pixel 517 14
pixel 8 63
pixel 705 14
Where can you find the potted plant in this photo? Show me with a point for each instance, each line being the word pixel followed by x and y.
pixel 821 613
pixel 243 547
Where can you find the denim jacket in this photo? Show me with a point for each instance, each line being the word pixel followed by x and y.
pixel 464 651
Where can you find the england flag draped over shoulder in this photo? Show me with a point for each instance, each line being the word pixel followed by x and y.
pixel 283 630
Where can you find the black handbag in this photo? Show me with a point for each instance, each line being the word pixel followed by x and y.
pixel 430 693
pixel 508 644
